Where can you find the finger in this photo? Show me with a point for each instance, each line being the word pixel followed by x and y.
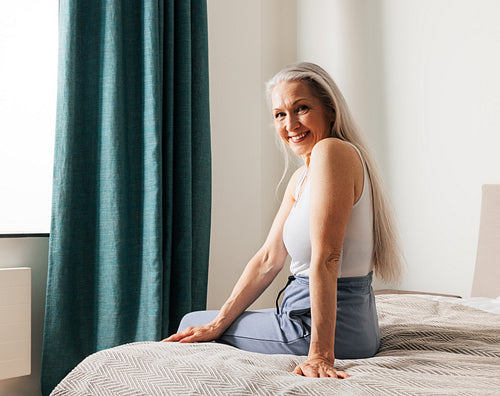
pixel 309 371
pixel 187 340
pixel 342 374
pixel 192 338
pixel 298 370
pixel 322 372
pixel 173 338
pixel 180 335
pixel 332 373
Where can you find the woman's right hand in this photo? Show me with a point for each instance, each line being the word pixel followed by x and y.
pixel 203 333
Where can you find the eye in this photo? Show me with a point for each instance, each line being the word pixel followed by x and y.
pixel 302 108
pixel 279 115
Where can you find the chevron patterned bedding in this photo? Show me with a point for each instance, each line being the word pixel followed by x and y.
pixel 427 347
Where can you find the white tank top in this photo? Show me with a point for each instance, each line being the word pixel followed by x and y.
pixel 356 256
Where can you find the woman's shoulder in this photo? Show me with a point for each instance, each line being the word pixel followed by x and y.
pixel 335 149
pixel 334 159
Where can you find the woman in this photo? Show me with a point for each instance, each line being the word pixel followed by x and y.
pixel 334 222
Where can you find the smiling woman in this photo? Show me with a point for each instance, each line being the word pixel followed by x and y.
pixel 338 231
pixel 299 116
pixel 28 76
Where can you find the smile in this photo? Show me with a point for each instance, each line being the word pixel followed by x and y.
pixel 298 138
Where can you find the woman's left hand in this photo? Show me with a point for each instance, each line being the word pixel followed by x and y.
pixel 319 367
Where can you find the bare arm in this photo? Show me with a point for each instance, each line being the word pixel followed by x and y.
pixel 335 181
pixel 256 277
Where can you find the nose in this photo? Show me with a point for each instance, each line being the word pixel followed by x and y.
pixel 292 123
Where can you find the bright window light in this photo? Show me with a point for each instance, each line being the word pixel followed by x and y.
pixel 28 85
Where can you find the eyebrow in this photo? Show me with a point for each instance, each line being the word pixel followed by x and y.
pixel 293 104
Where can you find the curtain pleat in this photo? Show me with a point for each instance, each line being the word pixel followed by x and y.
pixel 130 226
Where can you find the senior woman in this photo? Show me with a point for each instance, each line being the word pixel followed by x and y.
pixel 336 225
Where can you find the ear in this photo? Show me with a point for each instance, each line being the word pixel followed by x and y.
pixel 332 118
pixel 333 115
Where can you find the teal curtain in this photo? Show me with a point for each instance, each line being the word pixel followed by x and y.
pixel 132 179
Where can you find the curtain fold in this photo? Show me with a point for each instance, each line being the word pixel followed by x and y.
pixel 130 226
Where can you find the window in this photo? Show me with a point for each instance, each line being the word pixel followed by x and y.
pixel 28 81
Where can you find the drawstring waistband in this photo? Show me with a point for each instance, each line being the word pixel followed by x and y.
pixel 348 286
pixel 290 279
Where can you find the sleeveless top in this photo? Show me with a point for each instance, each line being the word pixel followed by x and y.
pixel 356 256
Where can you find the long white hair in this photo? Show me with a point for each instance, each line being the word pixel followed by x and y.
pixel 387 255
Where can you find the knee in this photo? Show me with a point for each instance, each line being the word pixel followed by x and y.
pixel 187 321
pixel 196 318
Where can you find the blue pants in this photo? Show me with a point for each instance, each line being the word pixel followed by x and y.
pixel 288 332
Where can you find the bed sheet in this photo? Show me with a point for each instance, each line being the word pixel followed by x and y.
pixel 483 303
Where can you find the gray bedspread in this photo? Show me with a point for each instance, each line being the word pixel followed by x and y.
pixel 427 347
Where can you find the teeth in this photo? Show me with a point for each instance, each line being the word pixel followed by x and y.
pixel 298 137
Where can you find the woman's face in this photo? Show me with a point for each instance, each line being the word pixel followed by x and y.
pixel 300 118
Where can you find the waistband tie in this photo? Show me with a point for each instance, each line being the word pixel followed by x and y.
pixel 290 279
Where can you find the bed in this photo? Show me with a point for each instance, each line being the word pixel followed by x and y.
pixel 429 345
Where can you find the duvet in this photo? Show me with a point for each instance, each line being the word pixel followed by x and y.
pixel 427 347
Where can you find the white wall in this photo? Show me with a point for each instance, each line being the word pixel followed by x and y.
pixel 422 80
pixel 246 47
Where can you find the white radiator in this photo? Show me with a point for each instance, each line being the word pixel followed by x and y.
pixel 15 322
